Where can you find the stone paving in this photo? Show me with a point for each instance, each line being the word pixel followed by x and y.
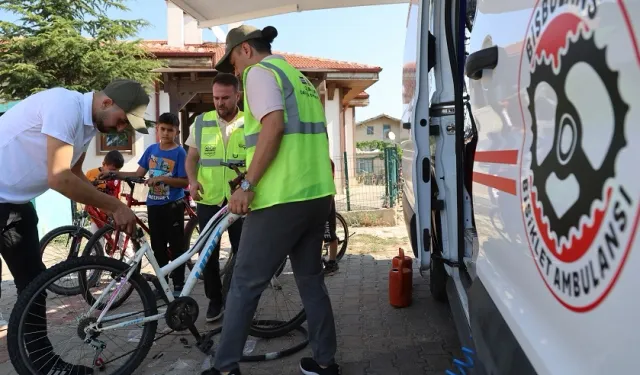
pixel 373 337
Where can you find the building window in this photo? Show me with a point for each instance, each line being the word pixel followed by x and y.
pixel 122 142
pixel 369 130
pixel 386 128
pixel 365 166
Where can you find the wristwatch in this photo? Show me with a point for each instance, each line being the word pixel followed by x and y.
pixel 246 185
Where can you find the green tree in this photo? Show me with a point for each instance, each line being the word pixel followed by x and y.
pixel 71 44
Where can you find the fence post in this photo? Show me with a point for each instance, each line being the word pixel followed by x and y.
pixel 386 173
pixel 346 181
pixel 393 172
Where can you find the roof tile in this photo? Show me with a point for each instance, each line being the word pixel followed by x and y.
pixel 160 48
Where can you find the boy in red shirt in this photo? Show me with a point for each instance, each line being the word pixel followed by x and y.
pixel 112 162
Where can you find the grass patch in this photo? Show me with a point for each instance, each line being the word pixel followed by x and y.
pixel 367 244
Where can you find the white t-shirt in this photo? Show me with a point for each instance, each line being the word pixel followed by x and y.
pixel 263 93
pixel 226 128
pixel 60 113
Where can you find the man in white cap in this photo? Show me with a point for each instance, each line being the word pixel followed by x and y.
pixel 43 145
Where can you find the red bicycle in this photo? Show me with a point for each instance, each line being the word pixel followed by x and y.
pixel 107 240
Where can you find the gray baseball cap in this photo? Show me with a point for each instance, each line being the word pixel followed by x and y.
pixel 132 98
pixel 236 37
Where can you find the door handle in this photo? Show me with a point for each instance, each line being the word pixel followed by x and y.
pixel 486 58
pixel 406 125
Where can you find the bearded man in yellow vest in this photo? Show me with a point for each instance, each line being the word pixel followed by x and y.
pixel 215 137
pixel 286 194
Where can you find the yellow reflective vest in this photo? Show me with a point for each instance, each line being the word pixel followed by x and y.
pixel 214 177
pixel 301 170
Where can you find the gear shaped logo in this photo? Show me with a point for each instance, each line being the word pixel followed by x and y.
pixel 579 210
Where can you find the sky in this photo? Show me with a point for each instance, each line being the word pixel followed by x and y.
pixel 369 35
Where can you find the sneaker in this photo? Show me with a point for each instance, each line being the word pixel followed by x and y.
pixel 214 312
pixel 309 366
pixel 330 267
pixel 177 290
pixel 51 364
pixel 213 371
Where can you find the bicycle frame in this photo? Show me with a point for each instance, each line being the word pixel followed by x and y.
pixel 210 236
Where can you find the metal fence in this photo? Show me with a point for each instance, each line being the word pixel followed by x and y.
pixel 367 181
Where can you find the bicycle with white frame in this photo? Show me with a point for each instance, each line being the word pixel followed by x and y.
pixel 90 329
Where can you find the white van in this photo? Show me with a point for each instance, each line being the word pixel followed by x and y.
pixel 521 176
pixel 522 199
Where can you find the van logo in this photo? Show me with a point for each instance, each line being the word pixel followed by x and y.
pixel 579 196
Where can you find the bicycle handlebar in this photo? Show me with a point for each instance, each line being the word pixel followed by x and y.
pixel 130 180
pixel 233 184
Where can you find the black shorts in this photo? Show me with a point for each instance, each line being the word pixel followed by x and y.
pixel 330 226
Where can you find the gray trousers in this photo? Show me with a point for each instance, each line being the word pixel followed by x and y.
pixel 268 236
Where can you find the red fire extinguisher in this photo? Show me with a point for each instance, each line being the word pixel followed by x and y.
pixel 400 280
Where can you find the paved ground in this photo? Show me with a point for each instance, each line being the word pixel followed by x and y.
pixel 373 337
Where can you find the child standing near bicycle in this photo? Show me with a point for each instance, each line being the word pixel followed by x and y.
pixel 167 179
pixel 113 161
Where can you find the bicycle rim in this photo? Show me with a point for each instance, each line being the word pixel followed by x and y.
pixel 343 245
pixel 74 236
pixel 105 233
pixel 16 338
pixel 267 327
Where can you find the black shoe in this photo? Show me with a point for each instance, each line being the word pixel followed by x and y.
pixel 213 371
pixel 51 364
pixel 309 366
pixel 177 290
pixel 330 267
pixel 214 312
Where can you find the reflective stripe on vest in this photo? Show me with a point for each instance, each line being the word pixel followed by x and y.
pixel 217 162
pixel 292 125
pixel 200 124
pixel 213 152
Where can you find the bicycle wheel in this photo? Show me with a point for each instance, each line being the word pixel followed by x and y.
pixel 267 328
pixel 54 249
pixel 106 233
pixel 20 347
pixel 341 223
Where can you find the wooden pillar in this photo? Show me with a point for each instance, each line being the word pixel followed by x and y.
pixel 184 126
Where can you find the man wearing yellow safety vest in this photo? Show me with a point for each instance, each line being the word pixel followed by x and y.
pixel 215 137
pixel 287 193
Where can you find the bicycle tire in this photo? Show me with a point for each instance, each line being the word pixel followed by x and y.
pixel 73 231
pixel 93 280
pixel 345 243
pixel 15 336
pixel 268 330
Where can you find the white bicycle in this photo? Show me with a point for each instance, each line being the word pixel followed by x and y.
pixel 91 328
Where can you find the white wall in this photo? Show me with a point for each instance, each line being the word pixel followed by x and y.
pixel 175 25
pixel 349 129
pixel 192 34
pixel 332 113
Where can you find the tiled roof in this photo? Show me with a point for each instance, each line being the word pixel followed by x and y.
pixel 216 50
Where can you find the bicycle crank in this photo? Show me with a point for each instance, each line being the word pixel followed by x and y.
pixel 182 313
